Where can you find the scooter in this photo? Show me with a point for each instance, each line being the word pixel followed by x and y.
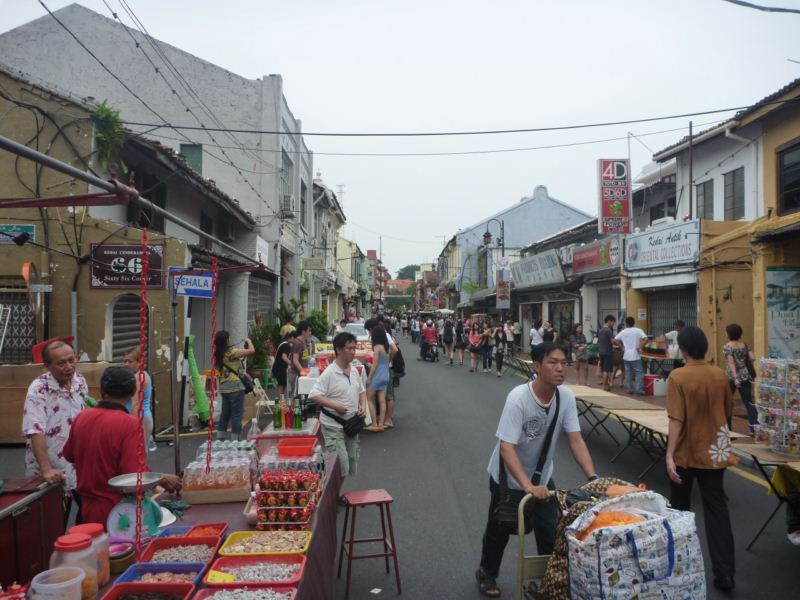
pixel 431 352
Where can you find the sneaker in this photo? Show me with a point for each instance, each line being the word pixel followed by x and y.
pixel 724 583
pixel 794 537
pixel 153 447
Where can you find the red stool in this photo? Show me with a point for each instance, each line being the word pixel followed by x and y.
pixel 362 499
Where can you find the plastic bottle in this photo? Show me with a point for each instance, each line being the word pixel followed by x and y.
pixel 96 531
pixel 312 365
pixel 254 431
pixel 88 400
pixel 75 550
pixel 288 416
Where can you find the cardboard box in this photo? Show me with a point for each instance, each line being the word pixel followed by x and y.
pixel 14 383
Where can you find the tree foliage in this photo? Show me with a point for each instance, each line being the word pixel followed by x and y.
pixel 407 272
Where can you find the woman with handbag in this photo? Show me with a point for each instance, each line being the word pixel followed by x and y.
pixel 461 340
pixel 475 351
pixel 739 367
pixel 378 381
pixel 228 363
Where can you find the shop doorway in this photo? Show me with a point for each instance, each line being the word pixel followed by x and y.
pixel 562 316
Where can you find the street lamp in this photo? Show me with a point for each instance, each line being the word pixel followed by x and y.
pixel 487 237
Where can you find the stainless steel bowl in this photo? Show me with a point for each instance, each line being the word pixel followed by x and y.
pixel 126 484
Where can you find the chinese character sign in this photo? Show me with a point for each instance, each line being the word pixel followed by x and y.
pixel 615 196
pixel 502 290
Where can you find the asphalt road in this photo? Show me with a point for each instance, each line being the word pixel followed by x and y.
pixel 434 465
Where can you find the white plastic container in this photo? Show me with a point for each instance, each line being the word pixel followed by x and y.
pixel 76 550
pixel 61 583
pixel 660 387
pixel 100 544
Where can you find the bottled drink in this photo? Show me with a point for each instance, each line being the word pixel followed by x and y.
pixel 88 400
pixel 298 417
pixel 277 419
pixel 254 431
pixel 288 416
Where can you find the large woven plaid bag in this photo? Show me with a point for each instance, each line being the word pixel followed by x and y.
pixel 656 558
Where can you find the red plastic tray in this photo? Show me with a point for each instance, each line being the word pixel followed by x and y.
pixel 182 590
pixel 171 542
pixel 205 593
pixel 297 446
pixel 243 561
pixel 221 527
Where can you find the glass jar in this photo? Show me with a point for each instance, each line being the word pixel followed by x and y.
pixel 75 550
pixel 100 544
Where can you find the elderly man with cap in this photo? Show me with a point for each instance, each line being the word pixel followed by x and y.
pixel 104 442
pixel 51 405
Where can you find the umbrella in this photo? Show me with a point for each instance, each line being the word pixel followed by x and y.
pixel 445 311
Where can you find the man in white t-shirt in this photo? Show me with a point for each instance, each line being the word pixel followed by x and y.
pixel 521 432
pixel 340 391
pixel 632 339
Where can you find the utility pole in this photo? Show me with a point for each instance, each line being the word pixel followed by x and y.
pixel 691 186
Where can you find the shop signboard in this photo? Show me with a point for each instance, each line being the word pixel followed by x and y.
pixel 600 255
pixel 538 270
pixel 262 251
pixel 614 195
pixel 783 312
pixel 313 264
pixel 191 285
pixel 8 231
pixel 120 266
pixel 502 290
pixel 675 244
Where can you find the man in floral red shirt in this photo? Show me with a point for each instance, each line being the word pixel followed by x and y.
pixel 51 405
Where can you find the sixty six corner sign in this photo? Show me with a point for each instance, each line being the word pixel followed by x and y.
pixel 671 245
pixel 614 195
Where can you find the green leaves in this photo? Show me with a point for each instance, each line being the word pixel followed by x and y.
pixel 108 133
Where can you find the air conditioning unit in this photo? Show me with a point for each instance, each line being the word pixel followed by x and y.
pixel 287 207
pixel 226 231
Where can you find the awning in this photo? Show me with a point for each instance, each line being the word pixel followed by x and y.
pixel 482 294
pixel 785 231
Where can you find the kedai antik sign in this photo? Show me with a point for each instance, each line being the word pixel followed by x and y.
pixel 675 244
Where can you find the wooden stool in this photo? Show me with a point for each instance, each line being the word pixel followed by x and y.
pixel 362 499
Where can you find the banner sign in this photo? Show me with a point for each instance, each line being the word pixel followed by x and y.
pixel 313 264
pixel 614 196
pixel 598 256
pixel 538 270
pixel 12 230
pixel 671 245
pixel 783 312
pixel 120 266
pixel 502 290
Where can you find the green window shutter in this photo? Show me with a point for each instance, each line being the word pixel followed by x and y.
pixel 193 155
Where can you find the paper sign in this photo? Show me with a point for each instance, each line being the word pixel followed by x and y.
pixel 220 577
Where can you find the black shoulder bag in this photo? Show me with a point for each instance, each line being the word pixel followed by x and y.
pixel 247 382
pixel 507 509
pixel 351 427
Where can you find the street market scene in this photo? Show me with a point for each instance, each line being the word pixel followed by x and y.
pixel 356 300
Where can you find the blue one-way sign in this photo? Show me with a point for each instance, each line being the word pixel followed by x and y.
pixel 193 285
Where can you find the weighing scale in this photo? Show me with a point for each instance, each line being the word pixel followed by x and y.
pixel 122 519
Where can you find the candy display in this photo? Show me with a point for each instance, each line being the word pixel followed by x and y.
pixel 183 554
pixel 245 594
pixel 779 405
pixel 167 577
pixel 151 596
pixel 286 500
pixel 288 481
pixel 264 572
pixel 267 542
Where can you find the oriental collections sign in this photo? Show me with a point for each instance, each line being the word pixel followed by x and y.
pixel 120 266
pixel 677 244
pixel 606 254
pixel 614 195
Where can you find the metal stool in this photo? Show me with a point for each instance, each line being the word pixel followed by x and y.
pixel 362 499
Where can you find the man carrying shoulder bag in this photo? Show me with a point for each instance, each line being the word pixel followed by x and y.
pixel 522 461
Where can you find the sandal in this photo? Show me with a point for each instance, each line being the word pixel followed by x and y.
pixel 487 585
pixel 388 425
pixel 373 428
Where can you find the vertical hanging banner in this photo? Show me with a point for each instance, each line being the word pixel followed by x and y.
pixel 502 290
pixel 614 195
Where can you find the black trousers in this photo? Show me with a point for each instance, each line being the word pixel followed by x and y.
pixel 495 537
pixel 715 512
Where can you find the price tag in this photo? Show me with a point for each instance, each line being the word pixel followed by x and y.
pixel 220 577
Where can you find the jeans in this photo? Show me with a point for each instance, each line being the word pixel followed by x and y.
pixel 715 512
pixel 486 354
pixel 495 537
pixel 746 392
pixel 634 367
pixel 232 412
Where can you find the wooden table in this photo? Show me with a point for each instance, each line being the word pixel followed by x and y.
pixel 598 406
pixel 764 457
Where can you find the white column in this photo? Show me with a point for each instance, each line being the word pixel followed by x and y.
pixel 236 306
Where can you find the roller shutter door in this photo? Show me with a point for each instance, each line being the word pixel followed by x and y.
pixel 668 306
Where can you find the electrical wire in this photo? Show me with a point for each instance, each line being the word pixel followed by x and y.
pixel 476 132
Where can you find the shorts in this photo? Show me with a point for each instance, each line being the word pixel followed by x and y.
pixel 607 363
pixel 346 447
pixel 280 377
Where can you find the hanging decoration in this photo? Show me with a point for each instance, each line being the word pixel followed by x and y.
pixel 214 366
pixel 140 450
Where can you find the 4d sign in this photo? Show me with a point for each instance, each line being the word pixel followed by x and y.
pixel 120 266
pixel 614 196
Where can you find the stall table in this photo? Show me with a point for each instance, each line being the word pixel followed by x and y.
pixel 319 581
pixel 597 409
pixel 656 364
pixel 763 457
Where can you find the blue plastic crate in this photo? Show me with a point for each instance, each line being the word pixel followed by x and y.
pixel 134 572
pixel 175 531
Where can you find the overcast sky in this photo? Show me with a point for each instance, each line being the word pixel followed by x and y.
pixel 445 65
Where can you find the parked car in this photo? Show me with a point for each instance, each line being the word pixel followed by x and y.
pixel 357 329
